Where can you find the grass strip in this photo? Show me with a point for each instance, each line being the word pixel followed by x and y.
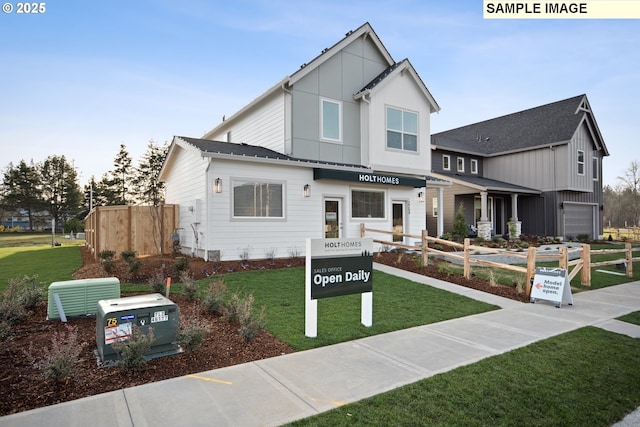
pixel 587 377
pixel 50 264
pixel 397 304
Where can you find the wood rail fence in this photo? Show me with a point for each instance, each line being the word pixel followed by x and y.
pixel 464 253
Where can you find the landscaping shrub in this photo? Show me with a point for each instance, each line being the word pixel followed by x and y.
pixel 158 283
pixel 60 360
pixel 460 229
pixel 213 300
pixel 132 351
pixel 181 264
pixel 108 263
pixel 189 287
pixel 5 331
pixel 192 335
pixel 250 324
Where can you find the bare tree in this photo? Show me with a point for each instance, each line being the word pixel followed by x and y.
pixel 630 192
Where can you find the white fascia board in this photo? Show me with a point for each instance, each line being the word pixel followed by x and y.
pixel 283 162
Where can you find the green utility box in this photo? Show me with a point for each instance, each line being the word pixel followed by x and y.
pixel 116 319
pixel 80 297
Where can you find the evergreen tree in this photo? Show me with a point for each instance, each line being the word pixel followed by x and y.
pixel 61 192
pixel 146 187
pixel 21 190
pixel 120 181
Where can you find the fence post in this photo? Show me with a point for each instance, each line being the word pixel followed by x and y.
pixel 629 258
pixel 531 268
pixel 563 262
pixel 425 248
pixel 585 274
pixel 467 264
pixel 362 230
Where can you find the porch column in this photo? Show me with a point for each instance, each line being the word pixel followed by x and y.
pixel 440 220
pixel 484 225
pixel 515 226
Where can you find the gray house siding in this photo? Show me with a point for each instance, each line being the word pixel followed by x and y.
pixel 336 79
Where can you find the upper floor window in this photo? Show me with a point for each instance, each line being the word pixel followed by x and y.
pixel 580 162
pixel 331 120
pixel 402 130
pixel 595 169
pixel 460 164
pixel 446 162
pixel 474 166
pixel 258 199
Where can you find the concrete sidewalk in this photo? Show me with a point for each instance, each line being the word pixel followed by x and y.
pixel 285 388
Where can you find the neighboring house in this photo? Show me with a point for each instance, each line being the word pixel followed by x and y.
pixel 344 140
pixel 536 172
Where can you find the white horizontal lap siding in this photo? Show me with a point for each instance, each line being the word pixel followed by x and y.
pixel 184 184
pixel 264 126
pixel 400 93
pixel 232 236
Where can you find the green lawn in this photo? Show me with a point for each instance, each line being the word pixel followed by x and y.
pixel 50 264
pixel 588 377
pixel 631 318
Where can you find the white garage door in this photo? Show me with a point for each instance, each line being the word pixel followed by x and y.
pixel 578 219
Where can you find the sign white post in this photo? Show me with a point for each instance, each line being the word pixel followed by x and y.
pixel 336 267
pixel 551 284
pixel 310 305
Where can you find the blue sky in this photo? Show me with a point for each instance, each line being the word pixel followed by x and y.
pixel 85 77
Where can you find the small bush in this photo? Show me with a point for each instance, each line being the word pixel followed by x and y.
pixel 189 287
pixel 12 309
pixel 213 300
pixel 128 256
pixel 60 360
pixel 181 264
pixel 233 308
pixel 270 255
pixel 191 336
pixel 106 255
pixel 158 283
pixel 459 223
pixel 132 351
pixel 250 324
pixel 31 292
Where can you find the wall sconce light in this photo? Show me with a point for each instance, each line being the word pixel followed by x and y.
pixel 217 185
pixel 307 191
pixel 561 205
pixel 421 196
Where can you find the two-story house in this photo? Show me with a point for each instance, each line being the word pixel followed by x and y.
pixel 536 172
pixel 342 141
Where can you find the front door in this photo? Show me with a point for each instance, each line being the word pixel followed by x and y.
pixel 398 221
pixel 332 218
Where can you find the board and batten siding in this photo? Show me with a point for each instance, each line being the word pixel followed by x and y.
pixel 264 127
pixel 336 79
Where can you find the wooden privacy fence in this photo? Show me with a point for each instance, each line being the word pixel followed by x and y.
pixel 144 229
pixel 627 233
pixel 464 252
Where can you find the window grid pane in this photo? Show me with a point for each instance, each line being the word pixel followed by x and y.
pixel 402 130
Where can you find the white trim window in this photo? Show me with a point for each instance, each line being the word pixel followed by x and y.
pixel 368 204
pixel 460 164
pixel 330 120
pixel 257 199
pixel 474 166
pixel 434 207
pixel 446 162
pixel 402 130
pixel 595 169
pixel 580 162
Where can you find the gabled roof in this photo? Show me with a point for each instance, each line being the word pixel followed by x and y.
pixel 547 125
pixel 364 30
pixel 388 74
